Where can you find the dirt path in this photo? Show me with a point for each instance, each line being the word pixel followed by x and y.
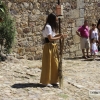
pixel 19 80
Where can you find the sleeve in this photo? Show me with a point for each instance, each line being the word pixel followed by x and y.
pixel 48 30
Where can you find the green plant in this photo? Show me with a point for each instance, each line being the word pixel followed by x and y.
pixel 8 32
pixel 2 10
pixel 7 29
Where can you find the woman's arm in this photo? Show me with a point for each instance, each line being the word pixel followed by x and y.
pixel 57 37
pixel 54 38
pixel 64 35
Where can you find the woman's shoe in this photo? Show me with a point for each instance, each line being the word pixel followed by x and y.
pixel 47 85
pixel 55 84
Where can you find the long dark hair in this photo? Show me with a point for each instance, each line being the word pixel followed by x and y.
pixel 51 20
pixel 98 23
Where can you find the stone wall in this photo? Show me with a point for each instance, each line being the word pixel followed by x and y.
pixel 30 16
pixel 92 10
pixel 73 18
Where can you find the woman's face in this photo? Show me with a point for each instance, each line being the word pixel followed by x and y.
pixel 94 26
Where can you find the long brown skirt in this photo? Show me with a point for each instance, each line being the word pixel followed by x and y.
pixel 49 74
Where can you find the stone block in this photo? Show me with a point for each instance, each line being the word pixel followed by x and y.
pixel 66 56
pixel 27 49
pixel 30 57
pixel 20 51
pixel 24 24
pixel 75 13
pixel 86 1
pixel 32 49
pixel 78 53
pixel 26 5
pixel 73 48
pixel 31 24
pixel 80 4
pixel 30 6
pixel 72 55
pixel 9 4
pixel 19 30
pixel 38 57
pixel 74 30
pixel 76 39
pixel 26 30
pixel 79 22
pixel 82 13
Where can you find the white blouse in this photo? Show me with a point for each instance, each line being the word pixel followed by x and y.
pixel 48 31
pixel 94 34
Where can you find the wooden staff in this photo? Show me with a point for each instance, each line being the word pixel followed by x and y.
pixel 60 55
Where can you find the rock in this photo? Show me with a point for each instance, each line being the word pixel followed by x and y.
pixel 26 5
pixel 26 30
pixel 31 6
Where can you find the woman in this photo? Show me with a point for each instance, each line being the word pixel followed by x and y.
pixel 93 34
pixel 49 74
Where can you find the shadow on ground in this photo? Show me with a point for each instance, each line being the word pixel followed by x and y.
pixel 75 58
pixel 27 85
pixel 91 59
pixel 80 58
